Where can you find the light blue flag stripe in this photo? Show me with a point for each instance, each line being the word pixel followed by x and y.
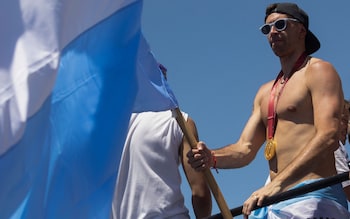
pixel 154 93
pixel 66 161
pixel 65 164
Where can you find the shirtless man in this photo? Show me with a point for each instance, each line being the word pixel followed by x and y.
pixel 298 116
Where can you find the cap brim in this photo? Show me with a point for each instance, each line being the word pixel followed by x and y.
pixel 312 44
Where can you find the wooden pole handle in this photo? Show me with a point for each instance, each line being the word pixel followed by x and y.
pixel 225 211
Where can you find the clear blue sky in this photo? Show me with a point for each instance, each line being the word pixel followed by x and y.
pixel 217 58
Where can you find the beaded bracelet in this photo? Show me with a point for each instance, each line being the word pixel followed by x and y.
pixel 214 162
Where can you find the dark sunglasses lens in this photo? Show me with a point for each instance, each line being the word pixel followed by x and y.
pixel 280 25
pixel 266 29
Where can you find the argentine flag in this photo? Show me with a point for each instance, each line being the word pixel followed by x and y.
pixel 70 75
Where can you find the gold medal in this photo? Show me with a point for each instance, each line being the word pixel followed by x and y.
pixel 270 149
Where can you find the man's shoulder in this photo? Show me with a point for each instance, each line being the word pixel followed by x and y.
pixel 319 63
pixel 317 66
pixel 153 114
pixel 265 88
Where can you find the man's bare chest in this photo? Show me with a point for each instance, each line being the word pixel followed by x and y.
pixel 291 101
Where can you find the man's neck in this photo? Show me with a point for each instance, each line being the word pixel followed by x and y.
pixel 288 62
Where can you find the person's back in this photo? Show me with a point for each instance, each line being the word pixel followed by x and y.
pixel 149 181
pixel 148 178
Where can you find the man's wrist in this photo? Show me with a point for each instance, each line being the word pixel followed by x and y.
pixel 213 157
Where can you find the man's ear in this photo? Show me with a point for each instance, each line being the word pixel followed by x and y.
pixel 303 31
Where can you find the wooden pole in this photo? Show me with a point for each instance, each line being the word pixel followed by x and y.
pixel 225 211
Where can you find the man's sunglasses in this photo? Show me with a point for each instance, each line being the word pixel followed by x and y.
pixel 280 25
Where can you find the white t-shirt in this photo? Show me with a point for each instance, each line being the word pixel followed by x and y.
pixel 149 181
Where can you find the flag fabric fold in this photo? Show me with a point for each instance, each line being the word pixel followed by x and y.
pixel 154 93
pixel 69 79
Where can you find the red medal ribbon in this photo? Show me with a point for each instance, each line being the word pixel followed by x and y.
pixel 271 117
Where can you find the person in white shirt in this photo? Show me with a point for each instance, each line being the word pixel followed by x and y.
pixel 149 182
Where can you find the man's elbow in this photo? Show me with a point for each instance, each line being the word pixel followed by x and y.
pixel 202 205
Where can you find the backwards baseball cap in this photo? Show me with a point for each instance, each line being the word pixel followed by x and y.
pixel 312 44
